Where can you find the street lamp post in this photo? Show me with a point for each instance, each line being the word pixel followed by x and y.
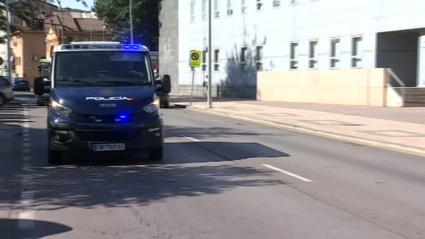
pixel 209 55
pixel 9 73
pixel 131 21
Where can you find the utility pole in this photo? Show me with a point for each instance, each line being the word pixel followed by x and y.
pixel 131 21
pixel 209 55
pixel 9 68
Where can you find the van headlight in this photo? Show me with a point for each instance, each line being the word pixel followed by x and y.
pixel 153 107
pixel 60 109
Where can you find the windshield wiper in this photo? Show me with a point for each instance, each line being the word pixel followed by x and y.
pixel 77 81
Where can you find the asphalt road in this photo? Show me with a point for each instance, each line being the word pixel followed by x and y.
pixel 220 179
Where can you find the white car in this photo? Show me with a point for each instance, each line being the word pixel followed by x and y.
pixel 6 91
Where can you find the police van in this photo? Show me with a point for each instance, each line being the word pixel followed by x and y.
pixel 103 98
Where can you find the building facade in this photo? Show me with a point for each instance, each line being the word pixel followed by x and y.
pixel 169 40
pixel 71 25
pixel 43 9
pixel 251 36
pixel 30 46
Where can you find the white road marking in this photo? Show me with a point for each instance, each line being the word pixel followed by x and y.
pixel 288 173
pixel 27 197
pixel 190 138
pixel 27 168
pixel 27 180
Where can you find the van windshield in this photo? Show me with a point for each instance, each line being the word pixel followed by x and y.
pixel 99 68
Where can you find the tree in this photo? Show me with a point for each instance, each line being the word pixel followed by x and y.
pixel 116 15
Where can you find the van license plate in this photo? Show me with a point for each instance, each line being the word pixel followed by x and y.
pixel 108 147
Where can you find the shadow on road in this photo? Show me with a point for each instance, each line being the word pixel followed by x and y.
pixel 124 186
pixel 189 169
pixel 210 132
pixel 44 229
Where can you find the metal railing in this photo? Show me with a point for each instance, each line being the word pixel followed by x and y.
pixel 396 83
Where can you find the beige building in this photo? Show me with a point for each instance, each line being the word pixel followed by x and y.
pixel 30 46
pixel 44 9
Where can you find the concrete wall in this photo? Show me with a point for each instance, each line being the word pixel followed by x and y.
pixel 347 87
pixel 168 41
pixel 274 28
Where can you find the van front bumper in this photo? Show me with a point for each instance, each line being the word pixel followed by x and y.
pixel 71 137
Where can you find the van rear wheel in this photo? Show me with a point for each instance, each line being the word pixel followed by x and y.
pixel 2 100
pixel 54 157
pixel 156 154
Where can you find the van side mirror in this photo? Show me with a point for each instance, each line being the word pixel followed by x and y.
pixel 166 84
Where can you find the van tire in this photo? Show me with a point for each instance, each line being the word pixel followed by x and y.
pixel 156 154
pixel 2 100
pixel 54 157
pixel 165 104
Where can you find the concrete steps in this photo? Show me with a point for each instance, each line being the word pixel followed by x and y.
pixel 414 97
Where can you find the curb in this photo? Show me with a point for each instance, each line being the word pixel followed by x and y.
pixel 306 130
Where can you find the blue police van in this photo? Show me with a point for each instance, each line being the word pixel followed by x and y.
pixel 103 98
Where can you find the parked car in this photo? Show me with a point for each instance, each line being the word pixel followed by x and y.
pixel 21 85
pixel 6 91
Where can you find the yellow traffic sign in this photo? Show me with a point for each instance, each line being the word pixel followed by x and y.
pixel 195 58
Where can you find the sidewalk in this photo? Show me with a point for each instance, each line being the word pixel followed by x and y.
pixel 401 129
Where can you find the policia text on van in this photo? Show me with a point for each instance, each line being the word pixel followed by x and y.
pixel 103 97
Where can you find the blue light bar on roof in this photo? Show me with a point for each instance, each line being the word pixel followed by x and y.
pixel 100 46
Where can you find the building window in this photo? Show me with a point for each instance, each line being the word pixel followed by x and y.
pixel 204 60
pixel 192 10
pixel 204 10
pixel 243 6
pixel 356 52
pixel 276 3
pixel 216 9
pixel 216 60
pixel 243 57
pixel 259 5
pixel 18 61
pixel 294 56
pixel 229 7
pixel 335 51
pixel 259 58
pixel 294 2
pixel 313 55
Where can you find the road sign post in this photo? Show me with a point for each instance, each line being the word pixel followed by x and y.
pixel 194 62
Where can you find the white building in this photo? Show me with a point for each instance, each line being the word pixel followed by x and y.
pixel 291 35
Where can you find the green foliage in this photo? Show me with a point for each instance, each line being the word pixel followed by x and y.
pixel 116 15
